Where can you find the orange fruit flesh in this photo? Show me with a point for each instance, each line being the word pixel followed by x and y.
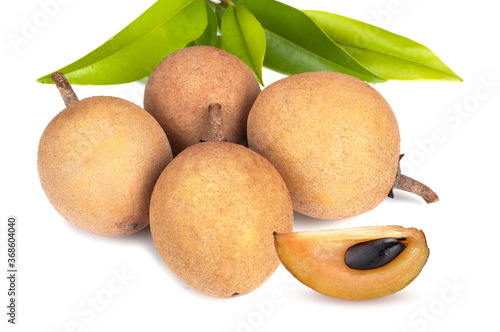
pixel 316 258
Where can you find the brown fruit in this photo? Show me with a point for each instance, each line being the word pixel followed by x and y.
pixel 318 259
pixel 186 82
pixel 98 161
pixel 333 138
pixel 213 213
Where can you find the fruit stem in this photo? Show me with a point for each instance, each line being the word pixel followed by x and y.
pixel 216 132
pixel 65 89
pixel 406 183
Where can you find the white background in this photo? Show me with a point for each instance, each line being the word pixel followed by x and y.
pixel 61 268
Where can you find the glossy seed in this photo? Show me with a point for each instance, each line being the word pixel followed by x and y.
pixel 373 254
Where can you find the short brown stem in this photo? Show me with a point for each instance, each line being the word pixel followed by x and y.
pixel 65 89
pixel 406 183
pixel 216 132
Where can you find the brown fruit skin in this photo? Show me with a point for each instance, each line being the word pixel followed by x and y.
pixel 98 161
pixel 182 86
pixel 213 213
pixel 333 138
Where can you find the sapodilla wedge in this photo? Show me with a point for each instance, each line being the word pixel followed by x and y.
pixel 318 259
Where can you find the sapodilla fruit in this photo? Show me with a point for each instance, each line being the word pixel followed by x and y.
pixel 98 161
pixel 187 81
pixel 335 141
pixel 213 213
pixel 323 260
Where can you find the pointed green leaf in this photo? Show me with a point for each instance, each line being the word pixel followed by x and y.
pixel 385 53
pixel 133 53
pixel 295 44
pixel 243 36
pixel 208 36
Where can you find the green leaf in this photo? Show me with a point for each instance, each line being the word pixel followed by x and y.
pixel 295 44
pixel 385 53
pixel 243 36
pixel 219 12
pixel 133 53
pixel 208 36
pixel 218 41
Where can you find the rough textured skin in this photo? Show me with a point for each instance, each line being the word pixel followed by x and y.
pixel 98 161
pixel 316 258
pixel 213 213
pixel 186 82
pixel 333 138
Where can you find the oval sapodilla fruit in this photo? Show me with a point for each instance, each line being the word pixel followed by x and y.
pixel 318 259
pixel 98 161
pixel 333 138
pixel 213 213
pixel 187 81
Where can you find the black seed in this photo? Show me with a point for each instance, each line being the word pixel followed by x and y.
pixel 373 254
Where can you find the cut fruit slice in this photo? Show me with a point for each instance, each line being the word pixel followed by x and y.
pixel 317 259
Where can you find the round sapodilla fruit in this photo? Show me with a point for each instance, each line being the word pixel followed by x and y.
pixel 213 213
pixel 335 141
pixel 187 81
pixel 98 161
